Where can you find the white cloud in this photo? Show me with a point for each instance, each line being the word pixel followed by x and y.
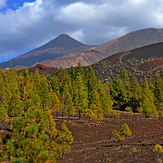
pixel 2 3
pixel 78 35
pixel 34 23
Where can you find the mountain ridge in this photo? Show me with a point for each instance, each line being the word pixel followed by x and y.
pixel 65 51
pixel 132 40
pixel 61 45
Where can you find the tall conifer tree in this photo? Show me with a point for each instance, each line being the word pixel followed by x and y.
pixel 158 94
pixel 119 92
pixel 3 97
pixel 94 110
pixel 105 99
pixel 68 104
pixel 80 95
pixel 44 92
pixel 147 100
pixel 136 94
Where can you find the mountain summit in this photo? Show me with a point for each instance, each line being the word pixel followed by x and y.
pixel 61 45
pixel 62 41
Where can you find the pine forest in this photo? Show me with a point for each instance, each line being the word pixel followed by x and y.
pixel 29 102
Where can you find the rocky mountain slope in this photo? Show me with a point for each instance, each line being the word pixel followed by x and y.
pixel 127 42
pixel 147 60
pixel 65 51
pixel 132 40
pixel 59 46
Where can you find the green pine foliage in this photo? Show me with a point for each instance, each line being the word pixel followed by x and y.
pixel 122 134
pixel 136 94
pixel 68 103
pixel 55 104
pixel 126 81
pixel 147 101
pixel 55 85
pixel 79 70
pixel 94 110
pixel 3 97
pixel 105 99
pixel 72 73
pixel 36 139
pixel 80 98
pixel 44 92
pixel 158 94
pixel 119 92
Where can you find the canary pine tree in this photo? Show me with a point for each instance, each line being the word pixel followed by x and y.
pixel 26 90
pixel 3 97
pixel 79 70
pixel 62 75
pixel 68 103
pixel 44 92
pixel 95 111
pixel 36 81
pixel 15 105
pixel 126 81
pixel 55 85
pixel 72 73
pixel 80 98
pixel 55 104
pixel 105 99
pixel 36 139
pixel 91 80
pixel 158 94
pixel 118 92
pixel 136 94
pixel 147 100
pixel 122 134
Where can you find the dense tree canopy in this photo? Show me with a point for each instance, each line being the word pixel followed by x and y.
pixel 33 98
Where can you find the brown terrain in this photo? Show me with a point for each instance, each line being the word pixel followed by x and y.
pixel 93 143
pixel 41 68
pixel 86 58
pixel 150 65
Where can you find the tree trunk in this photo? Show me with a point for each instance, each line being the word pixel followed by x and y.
pixel 79 114
pixel 25 103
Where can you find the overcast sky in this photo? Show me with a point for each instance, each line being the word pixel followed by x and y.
pixel 27 24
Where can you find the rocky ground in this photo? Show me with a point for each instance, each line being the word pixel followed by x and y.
pixel 92 141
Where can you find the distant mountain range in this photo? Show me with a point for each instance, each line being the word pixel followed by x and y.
pixel 144 61
pixel 65 51
pixel 93 55
pixel 58 47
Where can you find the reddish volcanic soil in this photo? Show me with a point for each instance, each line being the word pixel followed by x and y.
pixel 151 64
pixel 115 59
pixel 92 141
pixel 40 68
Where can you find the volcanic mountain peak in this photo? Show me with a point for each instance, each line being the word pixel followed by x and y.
pixel 61 45
pixel 62 41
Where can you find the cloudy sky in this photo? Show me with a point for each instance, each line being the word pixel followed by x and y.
pixel 27 24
